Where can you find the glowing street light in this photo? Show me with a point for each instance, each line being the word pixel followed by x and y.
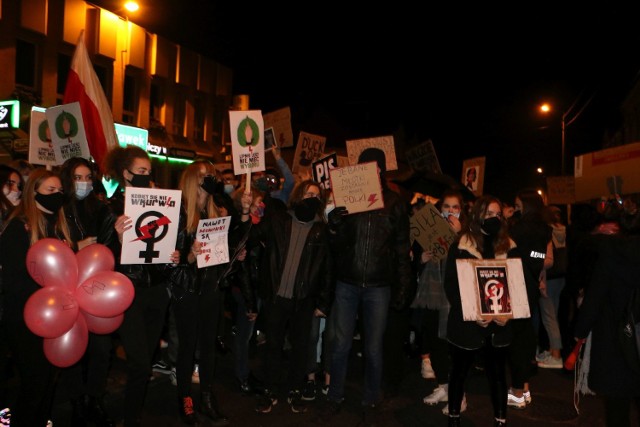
pixel 131 6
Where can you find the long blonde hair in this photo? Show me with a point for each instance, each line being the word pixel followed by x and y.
pixel 189 184
pixel 33 217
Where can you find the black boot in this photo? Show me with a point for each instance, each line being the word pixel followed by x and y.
pixel 187 413
pixel 209 407
pixel 97 414
pixel 78 413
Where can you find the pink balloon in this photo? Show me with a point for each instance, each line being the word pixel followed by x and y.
pixel 51 262
pixel 51 311
pixel 93 259
pixel 102 325
pixel 105 294
pixel 68 349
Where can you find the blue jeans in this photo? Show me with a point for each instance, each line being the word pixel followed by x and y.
pixel 549 312
pixel 244 332
pixel 375 306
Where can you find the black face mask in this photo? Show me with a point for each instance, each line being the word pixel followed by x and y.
pixel 140 181
pixel 307 209
pixel 211 185
pixel 517 215
pixel 492 226
pixel 51 202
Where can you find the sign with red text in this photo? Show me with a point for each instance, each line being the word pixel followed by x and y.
pixel 309 149
pixel 492 288
pixel 432 232
pixel 321 170
pixel 40 147
pixel 213 234
pixel 155 216
pixel 247 141
pixel 357 187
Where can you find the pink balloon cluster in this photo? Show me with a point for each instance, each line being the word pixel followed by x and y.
pixel 80 294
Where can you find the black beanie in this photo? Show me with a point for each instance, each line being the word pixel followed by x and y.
pixel 374 155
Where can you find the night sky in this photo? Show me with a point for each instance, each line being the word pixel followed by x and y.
pixel 468 78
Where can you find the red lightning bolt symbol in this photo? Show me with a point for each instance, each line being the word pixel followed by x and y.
pixel 146 229
pixel 207 257
pixel 372 199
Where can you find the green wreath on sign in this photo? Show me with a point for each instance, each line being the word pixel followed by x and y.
pixel 248 133
pixel 66 125
pixel 44 134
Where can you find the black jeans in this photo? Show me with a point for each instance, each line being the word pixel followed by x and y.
pixel 495 368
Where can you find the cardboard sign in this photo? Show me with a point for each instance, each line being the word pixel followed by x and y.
pixel 492 288
pixel 473 174
pixel 357 187
pixel 423 158
pixel 606 172
pixel 213 233
pixel 41 150
pixel 247 141
pixel 280 121
pixel 561 190
pixel 321 170
pixel 309 149
pixel 155 216
pixel 385 143
pixel 432 231
pixel 67 132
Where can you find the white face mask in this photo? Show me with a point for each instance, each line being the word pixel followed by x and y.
pixel 12 196
pixel 447 214
pixel 228 188
pixel 83 189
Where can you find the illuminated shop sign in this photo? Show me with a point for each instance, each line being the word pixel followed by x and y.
pixel 9 114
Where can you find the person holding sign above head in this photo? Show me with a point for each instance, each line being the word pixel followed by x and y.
pixel 483 237
pixel 38 216
pixel 373 270
pixel 143 321
pixel 297 285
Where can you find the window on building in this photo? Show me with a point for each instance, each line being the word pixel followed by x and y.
pixel 64 64
pixel 26 64
pixel 156 99
pixel 200 111
pixel 129 100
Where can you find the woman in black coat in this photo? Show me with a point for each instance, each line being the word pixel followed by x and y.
pixel 614 278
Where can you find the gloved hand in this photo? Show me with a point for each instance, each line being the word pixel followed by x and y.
pixel 335 216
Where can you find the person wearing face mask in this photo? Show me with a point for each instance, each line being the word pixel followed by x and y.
pixel 88 219
pixel 531 232
pixel 297 284
pixel 38 216
pixel 11 191
pixel 143 321
pixel 483 237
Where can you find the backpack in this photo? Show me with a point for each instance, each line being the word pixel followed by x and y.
pixel 629 331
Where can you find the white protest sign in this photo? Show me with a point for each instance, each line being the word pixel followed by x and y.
pixel 67 132
pixel 247 141
pixel 492 288
pixel 155 216
pixel 40 148
pixel 357 187
pixel 213 233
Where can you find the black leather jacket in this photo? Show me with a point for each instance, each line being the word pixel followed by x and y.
pixel 371 249
pixel 315 274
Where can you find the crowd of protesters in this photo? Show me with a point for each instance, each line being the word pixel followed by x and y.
pixel 312 276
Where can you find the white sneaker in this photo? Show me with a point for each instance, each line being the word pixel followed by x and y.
pixel 551 362
pixel 527 396
pixel 463 406
pixel 172 376
pixel 440 394
pixel 426 370
pixel 540 357
pixel 515 401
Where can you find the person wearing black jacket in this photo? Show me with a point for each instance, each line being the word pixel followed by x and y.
pixel 373 272
pixel 297 285
pixel 484 237
pixel 144 319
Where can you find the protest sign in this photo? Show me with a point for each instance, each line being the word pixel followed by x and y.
pixel 309 149
pixel 280 121
pixel 473 174
pixel 357 187
pixel 423 158
pixel 385 143
pixel 321 170
pixel 213 233
pixel 432 231
pixel 247 141
pixel 40 147
pixel 67 132
pixel 155 216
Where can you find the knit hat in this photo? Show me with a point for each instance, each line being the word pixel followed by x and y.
pixel 374 155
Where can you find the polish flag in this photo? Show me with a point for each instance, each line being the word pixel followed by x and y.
pixel 84 87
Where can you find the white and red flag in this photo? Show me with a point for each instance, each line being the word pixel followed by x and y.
pixel 84 87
